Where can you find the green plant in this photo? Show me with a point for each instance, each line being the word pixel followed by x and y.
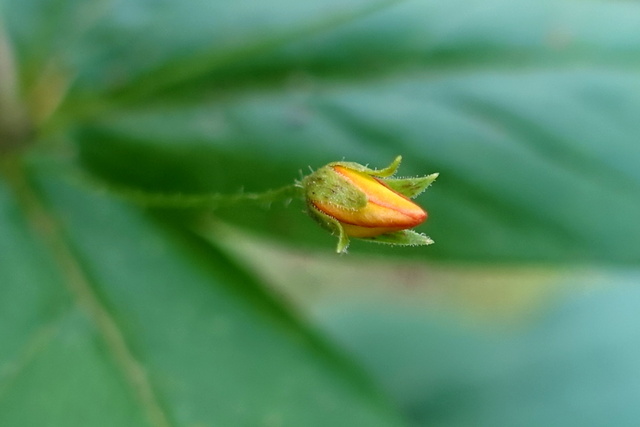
pixel 117 314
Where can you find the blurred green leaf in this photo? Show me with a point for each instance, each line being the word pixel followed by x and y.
pixel 140 47
pixel 573 364
pixel 529 121
pixel 114 315
pixel 109 316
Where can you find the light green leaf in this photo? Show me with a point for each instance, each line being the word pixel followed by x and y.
pixel 448 370
pixel 112 316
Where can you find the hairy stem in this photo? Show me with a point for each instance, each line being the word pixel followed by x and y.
pixel 208 200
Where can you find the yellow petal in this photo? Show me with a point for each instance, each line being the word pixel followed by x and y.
pixel 386 210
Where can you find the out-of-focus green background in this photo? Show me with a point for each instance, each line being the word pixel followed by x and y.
pixel 524 313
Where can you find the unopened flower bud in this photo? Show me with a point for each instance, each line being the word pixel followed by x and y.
pixel 352 200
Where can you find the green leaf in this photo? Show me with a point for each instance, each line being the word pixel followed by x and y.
pixel 132 49
pixel 486 345
pixel 446 370
pixel 112 316
pixel 530 122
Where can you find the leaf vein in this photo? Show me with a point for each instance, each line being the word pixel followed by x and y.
pixel 79 284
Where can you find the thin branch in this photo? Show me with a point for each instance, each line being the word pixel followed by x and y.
pixel 13 123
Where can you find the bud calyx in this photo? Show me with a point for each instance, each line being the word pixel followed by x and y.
pixel 352 200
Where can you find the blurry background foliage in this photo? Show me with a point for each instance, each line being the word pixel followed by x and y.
pixel 524 313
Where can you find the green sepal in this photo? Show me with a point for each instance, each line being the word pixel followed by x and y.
pixel 402 237
pixel 381 173
pixel 330 223
pixel 327 186
pixel 343 240
pixel 411 187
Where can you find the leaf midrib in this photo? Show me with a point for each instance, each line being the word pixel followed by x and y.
pixel 45 225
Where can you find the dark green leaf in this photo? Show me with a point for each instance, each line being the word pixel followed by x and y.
pixel 531 122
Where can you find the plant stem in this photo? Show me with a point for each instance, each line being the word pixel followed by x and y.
pixel 209 200
pixel 13 119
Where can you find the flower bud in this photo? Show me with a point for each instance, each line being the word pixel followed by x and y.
pixel 352 200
